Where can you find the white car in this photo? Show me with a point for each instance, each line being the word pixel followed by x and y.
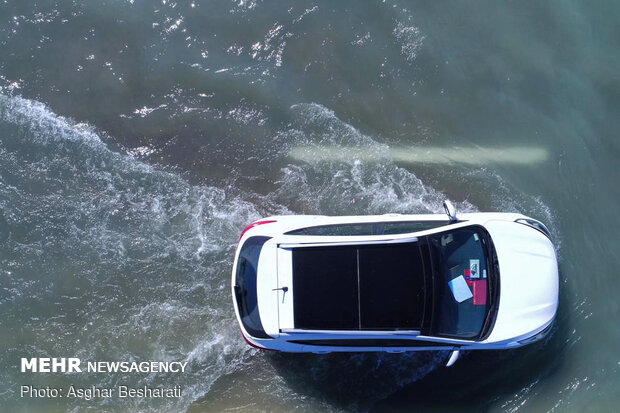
pixel 395 283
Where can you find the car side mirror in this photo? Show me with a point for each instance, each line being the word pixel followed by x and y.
pixel 450 210
pixel 454 356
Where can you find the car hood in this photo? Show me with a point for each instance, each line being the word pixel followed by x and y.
pixel 528 270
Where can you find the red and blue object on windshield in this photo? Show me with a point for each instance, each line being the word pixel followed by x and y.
pixel 479 288
pixel 480 292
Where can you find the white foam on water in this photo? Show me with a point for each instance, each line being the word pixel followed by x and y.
pixel 340 181
pixel 410 39
pixel 135 259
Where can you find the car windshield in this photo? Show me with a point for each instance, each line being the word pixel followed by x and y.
pixel 463 278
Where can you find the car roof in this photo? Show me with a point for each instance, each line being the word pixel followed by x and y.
pixel 277 295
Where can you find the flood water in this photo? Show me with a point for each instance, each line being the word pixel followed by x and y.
pixel 138 138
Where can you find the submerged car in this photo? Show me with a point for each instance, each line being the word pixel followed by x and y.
pixel 395 282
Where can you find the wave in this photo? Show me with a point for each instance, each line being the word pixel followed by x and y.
pixel 132 261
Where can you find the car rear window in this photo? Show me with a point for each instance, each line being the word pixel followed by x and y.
pixel 245 286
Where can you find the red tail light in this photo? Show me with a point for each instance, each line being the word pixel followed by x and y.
pixel 255 345
pixel 255 224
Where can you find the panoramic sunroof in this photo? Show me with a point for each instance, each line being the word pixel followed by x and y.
pixel 325 288
pixel 371 287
